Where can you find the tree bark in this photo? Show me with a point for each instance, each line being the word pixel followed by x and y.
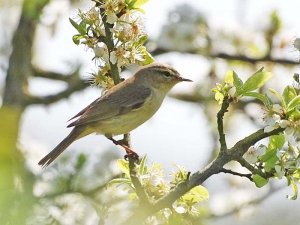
pixel 16 183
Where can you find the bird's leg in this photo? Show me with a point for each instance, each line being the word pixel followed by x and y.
pixel 123 143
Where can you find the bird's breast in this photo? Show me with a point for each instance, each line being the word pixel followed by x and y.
pixel 127 122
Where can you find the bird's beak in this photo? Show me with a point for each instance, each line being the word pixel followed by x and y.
pixel 184 79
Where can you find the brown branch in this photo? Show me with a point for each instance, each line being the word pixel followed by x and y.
pixel 54 76
pixel 249 175
pixel 254 170
pixel 220 116
pixel 215 167
pixel 49 99
pixel 242 146
pixel 159 51
pixel 255 60
pixel 139 189
pixel 108 40
pixel 182 188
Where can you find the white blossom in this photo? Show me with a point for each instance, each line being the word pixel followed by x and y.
pixel 251 156
pixel 130 27
pixel 284 123
pixel 294 139
pixel 277 108
pixel 279 171
pixel 272 122
pixel 179 208
pixel 120 56
pixel 101 51
pixel 112 8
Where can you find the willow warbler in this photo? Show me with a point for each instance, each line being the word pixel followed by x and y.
pixel 122 108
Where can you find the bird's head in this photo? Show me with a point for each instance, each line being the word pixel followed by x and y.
pixel 159 76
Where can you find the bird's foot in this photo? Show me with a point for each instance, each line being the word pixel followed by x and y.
pixel 130 154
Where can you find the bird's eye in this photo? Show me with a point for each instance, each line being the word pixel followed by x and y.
pixel 166 74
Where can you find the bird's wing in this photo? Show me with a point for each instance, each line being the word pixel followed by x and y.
pixel 112 104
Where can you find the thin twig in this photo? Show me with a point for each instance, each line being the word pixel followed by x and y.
pixel 54 75
pixel 139 189
pixel 220 116
pixel 249 175
pixel 242 146
pixel 221 55
pixel 252 169
pixel 110 46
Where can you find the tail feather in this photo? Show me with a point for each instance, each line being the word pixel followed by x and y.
pixel 49 158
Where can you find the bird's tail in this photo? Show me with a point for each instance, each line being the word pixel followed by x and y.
pixel 74 134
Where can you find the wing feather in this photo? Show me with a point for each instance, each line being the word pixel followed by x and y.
pixel 118 102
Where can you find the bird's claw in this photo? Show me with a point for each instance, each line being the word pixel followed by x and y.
pixel 131 155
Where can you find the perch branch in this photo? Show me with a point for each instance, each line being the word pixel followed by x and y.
pixel 215 167
pixel 140 191
pixel 220 117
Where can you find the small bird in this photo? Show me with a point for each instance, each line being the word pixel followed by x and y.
pixel 122 108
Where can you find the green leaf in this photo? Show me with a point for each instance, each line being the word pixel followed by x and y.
pixel 271 162
pixel 142 40
pixel 276 142
pixel 195 195
pixel 76 39
pixel 259 181
pixel 238 83
pixel 119 181
pixel 270 158
pixel 276 94
pixel 296 174
pixel 142 167
pixel 219 97
pixel 229 77
pixel 268 155
pixel 81 160
pixel 275 22
pixel 294 187
pixel 135 4
pixel 294 103
pixel 288 94
pixel 74 24
pixel 148 58
pixel 139 3
pixel 255 81
pixel 262 97
pixel 81 27
pixel 123 166
pixel 294 115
